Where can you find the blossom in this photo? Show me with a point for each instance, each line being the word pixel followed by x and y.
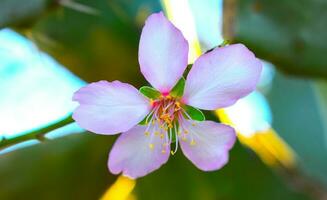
pixel 157 121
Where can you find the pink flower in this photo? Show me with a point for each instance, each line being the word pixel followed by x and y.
pixel 217 79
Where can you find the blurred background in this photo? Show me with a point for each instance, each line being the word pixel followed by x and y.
pixel 51 48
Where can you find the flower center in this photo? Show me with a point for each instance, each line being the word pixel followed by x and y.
pixel 167 120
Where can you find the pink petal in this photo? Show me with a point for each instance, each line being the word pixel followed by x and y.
pixel 109 107
pixel 132 155
pixel 210 146
pixel 221 77
pixel 162 53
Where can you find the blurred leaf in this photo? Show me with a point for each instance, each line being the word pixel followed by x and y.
pixel 17 14
pixel 245 177
pixel 299 118
pixel 96 47
pixel 150 92
pixel 178 89
pixel 72 167
pixel 290 34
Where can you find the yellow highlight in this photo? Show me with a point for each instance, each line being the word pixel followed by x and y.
pixel 267 144
pixel 120 190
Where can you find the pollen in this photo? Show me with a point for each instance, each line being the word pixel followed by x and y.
pixel 192 143
pixel 163 151
pixel 146 133
pixel 177 106
pixel 151 146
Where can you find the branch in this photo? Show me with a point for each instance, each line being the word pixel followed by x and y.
pixel 38 134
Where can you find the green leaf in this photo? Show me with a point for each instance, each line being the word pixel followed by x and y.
pixel 150 92
pixel 300 119
pixel 178 89
pixel 281 41
pixel 194 113
pixel 182 180
pixel 55 161
pixel 15 14
pixel 88 43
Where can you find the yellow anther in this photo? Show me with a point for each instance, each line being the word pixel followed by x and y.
pixel 151 146
pixel 161 136
pixel 168 97
pixel 186 131
pixel 184 138
pixel 163 151
pixel 165 116
pixel 146 133
pixel 156 133
pixel 192 143
pixel 193 124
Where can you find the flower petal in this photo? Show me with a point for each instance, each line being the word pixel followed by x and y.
pixel 162 53
pixel 221 77
pixel 132 155
pixel 109 107
pixel 207 144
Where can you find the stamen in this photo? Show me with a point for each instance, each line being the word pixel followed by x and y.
pixel 163 121
pixel 176 142
pixel 171 103
pixel 170 136
pixel 151 114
